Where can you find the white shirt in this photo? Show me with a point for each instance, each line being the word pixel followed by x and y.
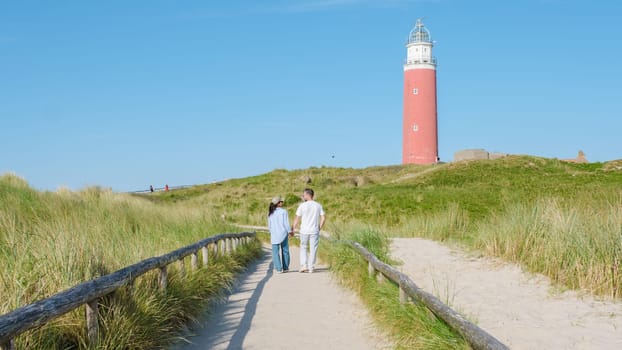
pixel 278 224
pixel 310 212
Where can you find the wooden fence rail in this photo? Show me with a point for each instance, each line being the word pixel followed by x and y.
pixel 88 293
pixel 475 336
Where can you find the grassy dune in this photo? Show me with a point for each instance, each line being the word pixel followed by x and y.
pixel 52 241
pixel 553 217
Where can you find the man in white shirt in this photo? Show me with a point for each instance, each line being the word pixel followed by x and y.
pixel 311 217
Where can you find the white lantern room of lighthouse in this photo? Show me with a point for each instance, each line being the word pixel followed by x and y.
pixel 419 48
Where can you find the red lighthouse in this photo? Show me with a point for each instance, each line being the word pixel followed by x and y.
pixel 420 135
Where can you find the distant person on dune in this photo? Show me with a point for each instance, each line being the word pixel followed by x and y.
pixel 278 224
pixel 311 217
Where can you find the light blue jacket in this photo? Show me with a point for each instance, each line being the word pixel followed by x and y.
pixel 278 224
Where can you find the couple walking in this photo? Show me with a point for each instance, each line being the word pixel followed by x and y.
pixel 310 215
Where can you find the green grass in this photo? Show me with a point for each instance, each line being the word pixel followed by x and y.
pixel 52 241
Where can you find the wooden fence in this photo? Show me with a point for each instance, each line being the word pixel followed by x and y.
pixel 88 293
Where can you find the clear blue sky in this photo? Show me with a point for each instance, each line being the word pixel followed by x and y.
pixel 125 94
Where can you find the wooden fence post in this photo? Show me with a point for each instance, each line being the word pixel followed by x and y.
pixel 380 278
pixel 370 269
pixel 130 286
pixel 205 252
pixel 182 268
pixel 92 324
pixel 403 296
pixel 216 248
pixel 194 261
pixel 163 280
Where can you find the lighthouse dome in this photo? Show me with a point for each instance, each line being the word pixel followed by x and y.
pixel 419 34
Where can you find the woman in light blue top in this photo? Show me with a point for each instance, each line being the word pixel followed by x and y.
pixel 278 224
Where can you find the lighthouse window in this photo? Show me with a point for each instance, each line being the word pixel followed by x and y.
pixel 415 91
pixel 415 127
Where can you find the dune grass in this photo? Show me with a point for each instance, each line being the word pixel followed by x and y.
pixel 578 245
pixel 52 241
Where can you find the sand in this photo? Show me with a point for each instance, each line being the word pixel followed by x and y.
pixel 520 309
pixel 287 311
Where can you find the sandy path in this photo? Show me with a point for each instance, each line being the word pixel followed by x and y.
pixel 518 308
pixel 287 311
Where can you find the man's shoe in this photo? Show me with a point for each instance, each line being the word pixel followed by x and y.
pixel 303 269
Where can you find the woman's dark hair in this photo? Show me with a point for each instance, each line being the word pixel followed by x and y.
pixel 272 208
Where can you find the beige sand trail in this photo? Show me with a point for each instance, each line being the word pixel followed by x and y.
pixel 518 308
pixel 287 311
